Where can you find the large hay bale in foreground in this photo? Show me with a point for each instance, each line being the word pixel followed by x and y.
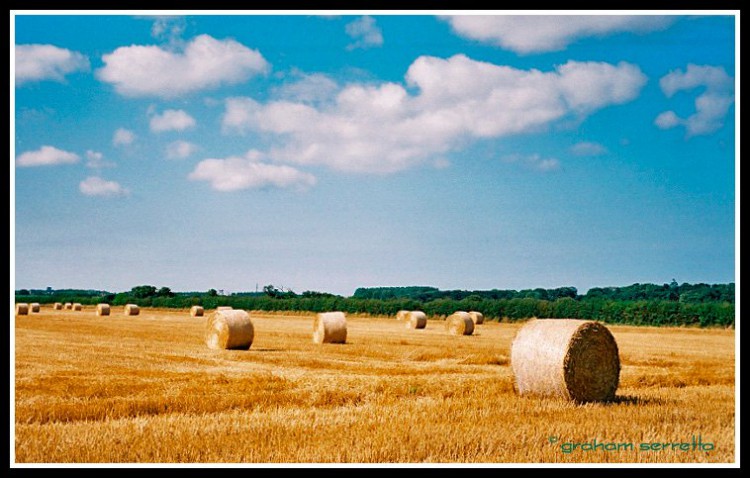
pixel 459 323
pixel 22 308
pixel 573 359
pixel 416 319
pixel 401 314
pixel 34 307
pixel 102 309
pixel 476 317
pixel 229 329
pixel 77 306
pixel 196 311
pixel 224 307
pixel 329 328
pixel 132 309
pixel 68 306
pixel 57 306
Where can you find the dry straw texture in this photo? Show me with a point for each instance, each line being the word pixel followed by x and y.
pixel 224 307
pixel 57 306
pixel 402 314
pixel 416 319
pixel 229 329
pixel 34 307
pixel 68 306
pixel 102 309
pixel 477 317
pixel 573 359
pixel 196 311
pixel 22 309
pixel 77 306
pixel 132 309
pixel 459 323
pixel 329 328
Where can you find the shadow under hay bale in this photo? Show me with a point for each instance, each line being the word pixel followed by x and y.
pixel 573 359
pixel 229 329
pixel 459 323
pixel 329 328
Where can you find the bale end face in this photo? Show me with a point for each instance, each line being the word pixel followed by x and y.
pixel 572 359
pixel 229 329
pixel 329 328
pixel 102 309
pixel 77 307
pixel 68 306
pixel 459 323
pixel 57 306
pixel 22 309
pixel 132 309
pixel 34 307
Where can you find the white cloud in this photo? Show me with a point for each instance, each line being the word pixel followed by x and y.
pixel 171 120
pixel 180 149
pixel 46 156
pixel 168 27
pixel 588 148
pixel 364 32
pixel 711 106
pixel 539 33
pixel 123 137
pixel 249 172
pixel 96 186
pixel 312 88
pixel 96 160
pixel 534 161
pixel 384 129
pixel 47 62
pixel 206 62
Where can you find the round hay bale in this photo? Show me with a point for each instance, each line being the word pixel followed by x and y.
pixel 224 307
pixel 68 306
pixel 573 359
pixel 77 306
pixel 459 323
pixel 132 309
pixel 34 307
pixel 57 306
pixel 102 309
pixel 401 314
pixel 229 329
pixel 477 317
pixel 196 311
pixel 22 308
pixel 329 328
pixel 416 319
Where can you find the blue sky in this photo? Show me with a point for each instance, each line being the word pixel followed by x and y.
pixel 334 152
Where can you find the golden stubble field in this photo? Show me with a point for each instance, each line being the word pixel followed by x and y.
pixel 147 389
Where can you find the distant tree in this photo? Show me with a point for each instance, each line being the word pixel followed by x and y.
pixel 143 291
pixel 212 293
pixel 24 292
pixel 165 292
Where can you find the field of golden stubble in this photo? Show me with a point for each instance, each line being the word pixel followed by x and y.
pixel 147 389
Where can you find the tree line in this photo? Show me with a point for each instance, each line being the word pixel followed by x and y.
pixel 640 304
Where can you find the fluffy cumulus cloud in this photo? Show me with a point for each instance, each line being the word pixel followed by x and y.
pixel 249 172
pixel 46 156
pixel 96 186
pixel 383 128
pixel 540 33
pixel 123 137
pixel 171 120
pixel 312 88
pixel 203 63
pixel 180 149
pixel 95 160
pixel 47 62
pixel 365 33
pixel 588 148
pixel 711 106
